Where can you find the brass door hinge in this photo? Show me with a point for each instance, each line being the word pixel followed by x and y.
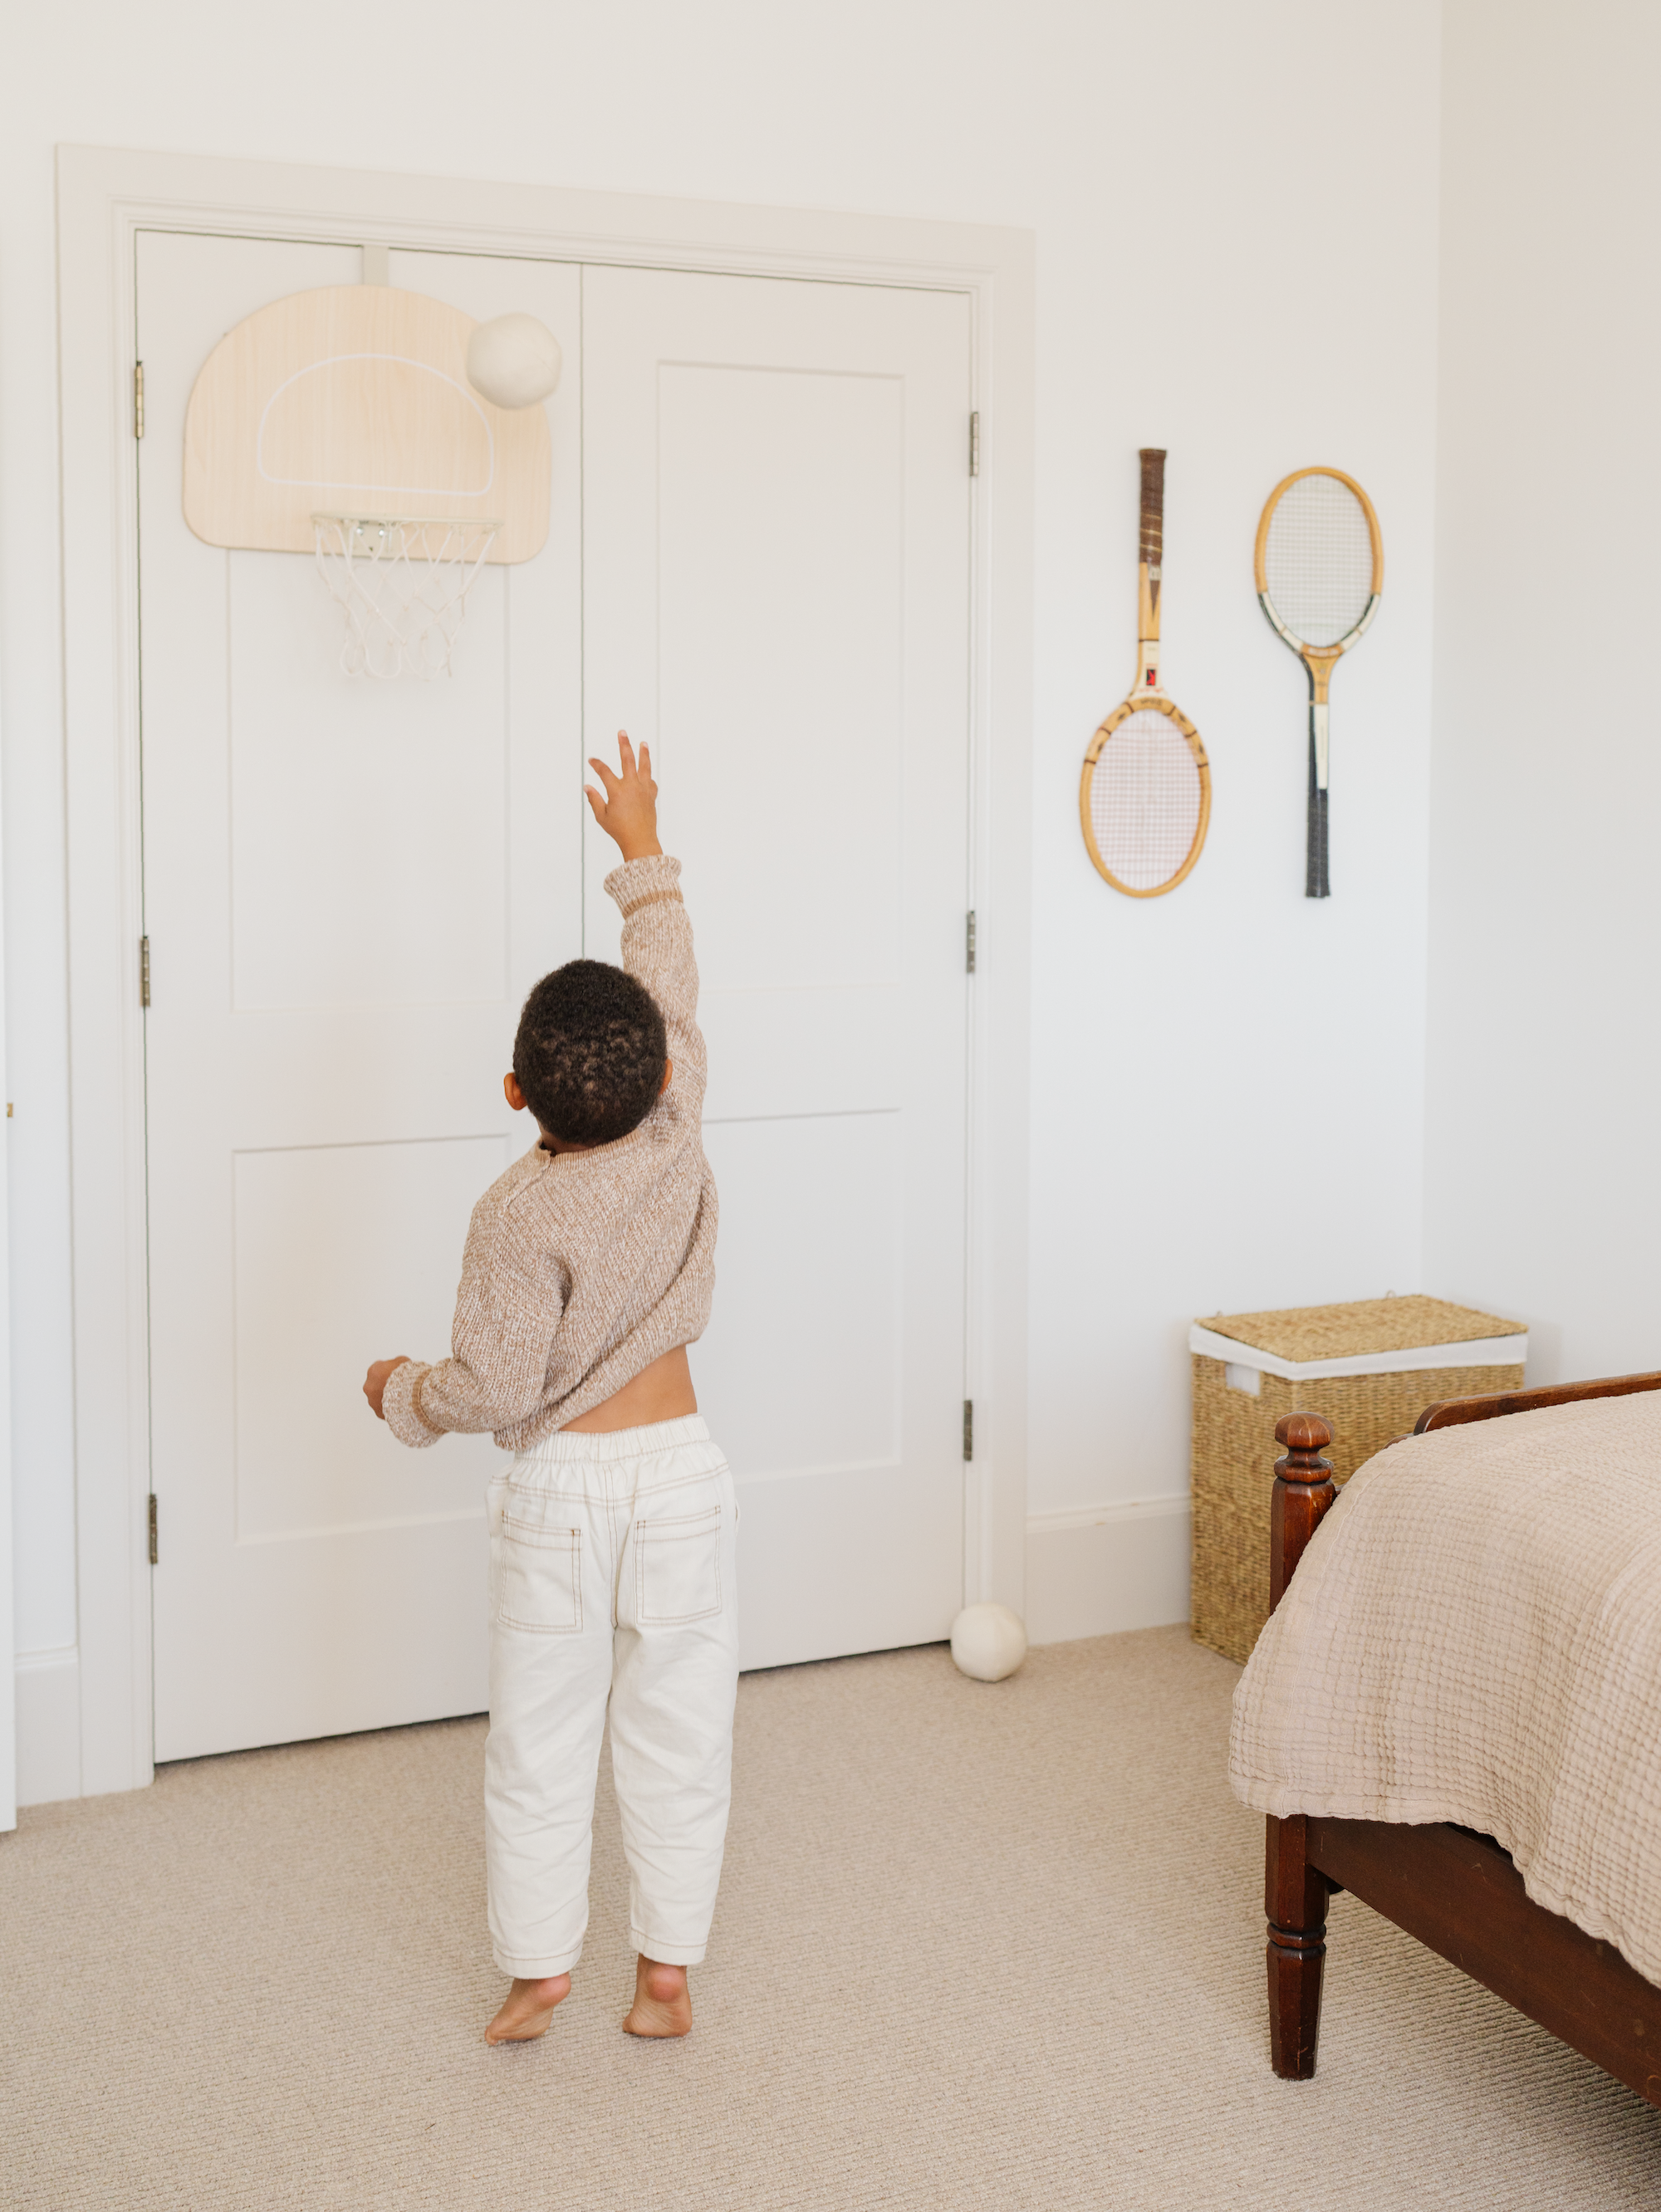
pixel 155 1548
pixel 143 971
pixel 138 399
pixel 969 943
pixel 968 1428
pixel 974 444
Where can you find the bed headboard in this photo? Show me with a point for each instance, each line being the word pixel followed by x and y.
pixel 1452 1412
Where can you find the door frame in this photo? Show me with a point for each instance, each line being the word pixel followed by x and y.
pixel 106 195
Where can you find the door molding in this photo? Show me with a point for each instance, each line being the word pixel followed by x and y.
pixel 105 198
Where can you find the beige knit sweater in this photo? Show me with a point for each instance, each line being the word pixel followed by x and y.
pixel 583 1268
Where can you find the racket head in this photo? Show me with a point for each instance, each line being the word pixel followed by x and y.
pixel 1319 562
pixel 1145 796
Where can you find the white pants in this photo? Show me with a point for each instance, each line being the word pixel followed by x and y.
pixel 613 1579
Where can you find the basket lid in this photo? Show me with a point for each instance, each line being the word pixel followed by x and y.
pixel 1366 1325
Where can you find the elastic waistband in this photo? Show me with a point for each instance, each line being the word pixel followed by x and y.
pixel 582 1445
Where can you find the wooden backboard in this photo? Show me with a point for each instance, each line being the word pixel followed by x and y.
pixel 355 399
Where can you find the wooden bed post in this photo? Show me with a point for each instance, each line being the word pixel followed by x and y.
pixel 1294 1891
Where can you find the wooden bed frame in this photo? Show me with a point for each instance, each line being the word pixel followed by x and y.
pixel 1453 1890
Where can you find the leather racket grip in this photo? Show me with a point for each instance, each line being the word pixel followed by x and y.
pixel 1153 540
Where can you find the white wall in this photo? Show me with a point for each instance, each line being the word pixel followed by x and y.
pixel 1211 1068
pixel 1542 1192
pixel 1228 1082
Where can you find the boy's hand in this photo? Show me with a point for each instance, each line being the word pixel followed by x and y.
pixel 374 1382
pixel 629 812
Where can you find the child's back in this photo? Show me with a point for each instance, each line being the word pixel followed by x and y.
pixel 585 1264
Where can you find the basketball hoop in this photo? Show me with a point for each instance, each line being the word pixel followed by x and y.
pixel 401 583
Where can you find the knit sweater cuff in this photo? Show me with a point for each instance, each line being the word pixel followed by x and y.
pixel 400 1401
pixel 636 882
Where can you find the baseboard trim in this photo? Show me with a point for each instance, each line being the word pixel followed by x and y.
pixel 1092 1572
pixel 48 1725
pixel 1103 1569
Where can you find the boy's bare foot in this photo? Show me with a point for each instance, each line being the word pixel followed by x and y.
pixel 528 2009
pixel 663 2003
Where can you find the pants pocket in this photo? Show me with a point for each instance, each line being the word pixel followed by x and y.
pixel 678 1568
pixel 539 1577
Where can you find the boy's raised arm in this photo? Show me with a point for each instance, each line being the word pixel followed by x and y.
pixel 657 937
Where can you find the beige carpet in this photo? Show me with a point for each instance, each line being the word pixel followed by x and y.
pixel 978 1947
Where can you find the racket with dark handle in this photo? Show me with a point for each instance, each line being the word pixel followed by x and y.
pixel 1145 796
pixel 1319 566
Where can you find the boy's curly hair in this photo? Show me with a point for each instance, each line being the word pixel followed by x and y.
pixel 590 1052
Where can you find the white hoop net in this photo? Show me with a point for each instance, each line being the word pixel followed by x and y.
pixel 401 583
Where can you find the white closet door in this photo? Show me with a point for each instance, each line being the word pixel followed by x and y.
pixel 349 887
pixel 775 581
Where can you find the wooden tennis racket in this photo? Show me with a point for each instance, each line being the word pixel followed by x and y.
pixel 1145 796
pixel 1320 569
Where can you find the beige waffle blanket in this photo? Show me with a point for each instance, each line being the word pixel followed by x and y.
pixel 1475 1635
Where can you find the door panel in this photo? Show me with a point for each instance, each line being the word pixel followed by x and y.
pixel 349 885
pixel 406 864
pixel 776 595
pixel 821 1367
pixel 390 1217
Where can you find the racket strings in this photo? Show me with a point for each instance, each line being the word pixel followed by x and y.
pixel 1318 561
pixel 1145 801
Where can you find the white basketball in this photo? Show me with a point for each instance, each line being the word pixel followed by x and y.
pixel 514 361
pixel 988 1642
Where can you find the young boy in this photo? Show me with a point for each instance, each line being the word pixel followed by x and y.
pixel 589 1270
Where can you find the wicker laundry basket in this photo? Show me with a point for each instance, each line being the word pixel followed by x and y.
pixel 1368 1370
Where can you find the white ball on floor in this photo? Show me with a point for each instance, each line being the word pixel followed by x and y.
pixel 988 1642
pixel 514 361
